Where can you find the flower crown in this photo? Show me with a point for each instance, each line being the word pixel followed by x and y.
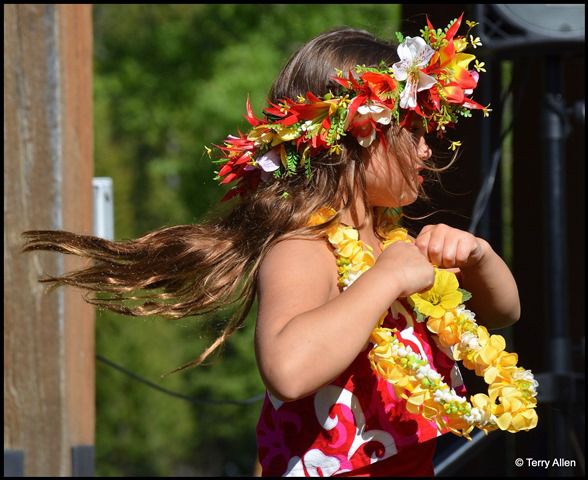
pixel 430 83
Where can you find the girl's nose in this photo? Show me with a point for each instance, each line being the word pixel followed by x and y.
pixel 424 152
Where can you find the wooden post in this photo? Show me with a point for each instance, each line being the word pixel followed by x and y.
pixel 49 409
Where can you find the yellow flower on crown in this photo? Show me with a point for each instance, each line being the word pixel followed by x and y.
pixel 431 84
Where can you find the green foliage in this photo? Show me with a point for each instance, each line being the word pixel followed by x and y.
pixel 169 80
pixel 465 295
pixel 293 158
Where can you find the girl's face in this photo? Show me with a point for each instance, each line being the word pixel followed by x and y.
pixel 386 185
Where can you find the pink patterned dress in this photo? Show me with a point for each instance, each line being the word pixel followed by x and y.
pixel 356 421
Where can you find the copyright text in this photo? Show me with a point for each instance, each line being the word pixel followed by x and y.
pixel 555 462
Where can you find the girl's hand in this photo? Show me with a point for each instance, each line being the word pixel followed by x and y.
pixel 409 268
pixel 448 247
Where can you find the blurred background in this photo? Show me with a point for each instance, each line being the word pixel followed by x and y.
pixel 168 80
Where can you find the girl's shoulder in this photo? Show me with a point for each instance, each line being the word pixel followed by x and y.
pixel 300 259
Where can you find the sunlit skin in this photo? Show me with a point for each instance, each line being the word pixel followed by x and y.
pixel 315 320
pixel 386 185
pixel 442 245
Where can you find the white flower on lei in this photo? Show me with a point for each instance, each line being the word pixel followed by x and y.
pixel 414 54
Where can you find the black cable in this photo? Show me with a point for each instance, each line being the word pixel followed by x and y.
pixel 197 401
pixel 488 185
pixel 449 464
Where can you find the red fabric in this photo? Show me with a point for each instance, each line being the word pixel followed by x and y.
pixel 413 461
pixel 356 422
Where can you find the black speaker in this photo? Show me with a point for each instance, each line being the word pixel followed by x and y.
pixel 519 29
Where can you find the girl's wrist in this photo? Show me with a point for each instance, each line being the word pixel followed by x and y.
pixel 484 254
pixel 389 283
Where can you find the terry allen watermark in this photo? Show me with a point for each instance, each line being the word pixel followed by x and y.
pixel 555 462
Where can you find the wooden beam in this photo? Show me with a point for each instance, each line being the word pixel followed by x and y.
pixel 48 339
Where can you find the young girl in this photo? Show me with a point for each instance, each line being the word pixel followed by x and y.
pixel 313 234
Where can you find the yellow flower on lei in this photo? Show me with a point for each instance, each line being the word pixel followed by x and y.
pixel 396 235
pixel 516 391
pixel 442 297
pixel 447 328
pixel 349 247
pixel 510 403
pixel 322 215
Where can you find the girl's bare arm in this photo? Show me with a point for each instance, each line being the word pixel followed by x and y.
pixel 306 336
pixel 495 297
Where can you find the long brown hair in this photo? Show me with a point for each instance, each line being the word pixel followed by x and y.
pixel 195 269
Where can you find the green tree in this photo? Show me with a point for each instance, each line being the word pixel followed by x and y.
pixel 170 79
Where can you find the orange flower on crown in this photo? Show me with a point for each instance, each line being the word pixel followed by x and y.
pixel 431 82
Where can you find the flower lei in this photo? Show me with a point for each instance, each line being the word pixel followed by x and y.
pixel 510 403
pixel 431 82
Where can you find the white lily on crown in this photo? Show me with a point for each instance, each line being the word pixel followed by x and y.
pixel 414 54
pixel 430 84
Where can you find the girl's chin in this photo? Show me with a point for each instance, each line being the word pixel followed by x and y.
pixel 390 204
pixel 407 197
